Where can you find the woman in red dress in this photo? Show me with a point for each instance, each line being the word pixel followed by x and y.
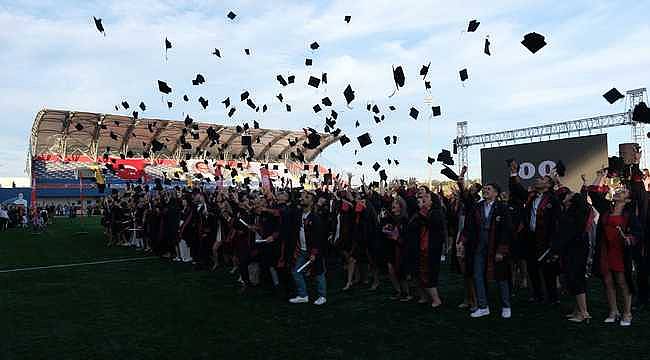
pixel 618 232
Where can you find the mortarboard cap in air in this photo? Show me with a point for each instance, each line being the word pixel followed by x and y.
pixel 613 95
pixel 364 140
pixel 533 42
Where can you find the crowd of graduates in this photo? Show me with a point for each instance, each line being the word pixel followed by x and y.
pixel 546 238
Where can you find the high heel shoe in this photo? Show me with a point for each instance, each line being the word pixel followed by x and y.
pixel 579 318
pixel 612 318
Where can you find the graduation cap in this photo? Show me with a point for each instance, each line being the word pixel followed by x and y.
pixel 231 15
pixel 317 108
pixel 313 139
pixel 347 18
pixel 247 51
pixel 276 167
pixel 396 162
pixel 436 111
pixel 449 173
pixel 113 135
pixel 344 140
pixel 156 145
pixel 292 142
pixel 613 96
pixel 163 87
pixel 280 97
pixel 641 113
pixel 424 70
pixel 256 125
pixel 392 108
pixel 125 105
pixel 288 108
pixel 430 160
pixel 142 106
pixel 364 140
pixel 357 124
pixel 376 166
pixel 186 98
pixel 135 115
pixel 188 120
pixel 330 122
pixel 246 140
pixel 203 102
pixel 198 80
pixel 387 140
pixel 335 115
pixel 169 104
pixel 486 47
pixel 414 113
pixel 427 85
pixel 473 25
pixel 281 80
pixel 264 108
pixel 168 45
pixel 250 103
pixel 382 175
pixel 360 163
pixel 375 109
pixel 244 96
pixel 99 26
pixel 226 102
pixel 314 45
pixel 313 81
pixel 308 62
pixel 336 132
pixel 117 123
pixel 291 79
pixel 349 94
pixel 216 52
pixel 463 75
pixel 445 157
pixel 246 127
pixel 117 108
pixel 231 112
pixel 324 78
pixel 533 42
pixel 326 101
pixel 399 78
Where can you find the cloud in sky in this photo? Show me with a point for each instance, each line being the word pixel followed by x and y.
pixel 54 58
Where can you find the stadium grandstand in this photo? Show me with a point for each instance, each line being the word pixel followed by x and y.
pixel 81 154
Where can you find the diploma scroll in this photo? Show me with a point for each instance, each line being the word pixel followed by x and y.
pixel 300 269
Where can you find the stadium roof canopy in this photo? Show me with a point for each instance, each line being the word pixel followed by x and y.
pixel 57 132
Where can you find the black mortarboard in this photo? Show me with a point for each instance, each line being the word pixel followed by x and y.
pixel 246 127
pixel 368 106
pixel 226 102
pixel 264 108
pixel 169 104
pixel 335 115
pixel 186 98
pixel 239 129
pixel 156 145
pixel 424 70
pixel 533 42
pixel 216 52
pixel 143 107
pixel 486 47
pixel 280 97
pixel 360 163
pixel 560 168
pixel 427 85
pixel 347 18
pixel 430 160
pixel 364 140
pixel 436 111
pixel 382 175
pixel 288 108
pixel 330 122
pixel 414 113
pixel 247 51
pixel 336 132
pixel 613 96
pixel 244 96
pixel 117 123
pixel 256 125
pixel 314 45
pixel 313 81
pixel 473 25
pixel 357 124
pixel 392 108
pixel 231 15
pixel 251 104
pixel 198 80
pixel 291 79
pixel 326 101
pixel 463 75
pixel 396 162
pixel 317 108
pixel 231 112
pixel 344 140
pixel 324 78
pixel 125 105
pixel 445 157
pixel 188 120
pixel 163 87
pixel 308 62
pixel 387 140
pixel 375 109
pixel 113 135
pixel 281 80
pixel 117 108
pixel 135 115
pixel 641 113
pixel 449 173
pixel 376 166
pixel 349 94
pixel 203 102
pixel 246 140
pixel 98 25
pixel 79 127
pixel 398 77
pixel 168 44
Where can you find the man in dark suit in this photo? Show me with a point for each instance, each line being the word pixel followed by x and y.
pixel 309 232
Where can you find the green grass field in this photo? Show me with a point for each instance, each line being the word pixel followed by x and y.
pixel 153 309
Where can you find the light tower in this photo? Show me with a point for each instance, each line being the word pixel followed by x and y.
pixel 460 146
pixel 632 98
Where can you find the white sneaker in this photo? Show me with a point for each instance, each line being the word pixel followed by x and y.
pixel 177 259
pixel 480 312
pixel 320 301
pixel 625 322
pixel 506 313
pixel 299 300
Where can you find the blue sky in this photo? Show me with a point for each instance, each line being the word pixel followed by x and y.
pixel 52 57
